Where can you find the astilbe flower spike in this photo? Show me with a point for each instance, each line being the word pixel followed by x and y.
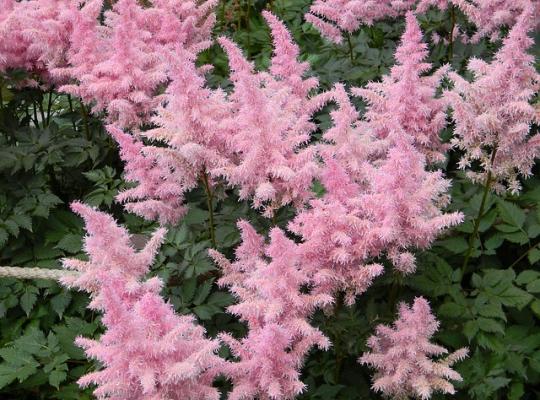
pixel 269 282
pixel 147 351
pixel 277 168
pixel 34 35
pixel 333 18
pixel 121 65
pixel 159 192
pixel 408 99
pixel 492 114
pixel 403 356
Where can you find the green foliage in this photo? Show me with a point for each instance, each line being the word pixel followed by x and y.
pixel 52 153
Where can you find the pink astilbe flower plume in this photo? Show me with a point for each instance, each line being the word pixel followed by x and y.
pixel 271 124
pixel 492 113
pixel 190 124
pixel 407 98
pixel 147 351
pixel 159 193
pixel 380 200
pixel 121 65
pixel 403 356
pixel 34 35
pixel 269 282
pixel 332 17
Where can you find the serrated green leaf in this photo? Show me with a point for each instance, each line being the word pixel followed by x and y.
pixel 70 243
pixel 534 286
pixel 527 276
pixel 534 256
pixel 60 302
pixel 28 299
pixel 490 325
pixel 511 213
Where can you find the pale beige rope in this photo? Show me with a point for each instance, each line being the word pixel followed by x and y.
pixel 35 273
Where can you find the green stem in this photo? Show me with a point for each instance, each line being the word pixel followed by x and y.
pixel 524 255
pixel 474 234
pixel 351 52
pixel 451 37
pixel 71 111
pixel 36 122
pixel 49 107
pixel 84 112
pixel 210 204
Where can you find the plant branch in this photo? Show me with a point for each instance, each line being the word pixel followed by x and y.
pixel 210 204
pixel 487 185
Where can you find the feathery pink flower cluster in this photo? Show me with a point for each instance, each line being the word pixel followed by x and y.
pixel 333 17
pixel 210 134
pixel 276 310
pixel 380 198
pixel 407 98
pixel 34 36
pixel 119 66
pixel 492 114
pixel 147 351
pixel 403 355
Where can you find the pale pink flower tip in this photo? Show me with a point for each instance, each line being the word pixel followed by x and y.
pixel 404 356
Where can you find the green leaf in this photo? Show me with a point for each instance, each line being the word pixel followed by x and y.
pixel 70 243
pixel 490 325
pixel 56 377
pixel 3 237
pixel 60 302
pixel 534 286
pixel 24 221
pixel 527 276
pixel 534 256
pixel 451 310
pixel 203 291
pixel 456 244
pixel 511 213
pixel 28 299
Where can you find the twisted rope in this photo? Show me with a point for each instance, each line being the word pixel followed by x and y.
pixel 35 273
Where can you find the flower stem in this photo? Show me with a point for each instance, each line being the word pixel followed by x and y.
pixel 487 185
pixel 210 204
pixel 451 36
pixel 351 52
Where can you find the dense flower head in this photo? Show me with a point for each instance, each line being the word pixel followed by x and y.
pixel 492 114
pixel 121 65
pixel 407 99
pixel 332 17
pixel 34 36
pixel 146 351
pixel 159 191
pixel 335 17
pixel 271 125
pixel 403 356
pixel 270 284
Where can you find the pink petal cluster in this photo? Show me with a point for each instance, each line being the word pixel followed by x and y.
pixel 159 193
pixel 210 134
pixel 407 98
pixel 147 351
pixel 333 17
pixel 121 65
pixel 403 356
pixel 490 15
pixel 380 197
pixel 492 114
pixel 269 282
pixel 275 108
pixel 34 35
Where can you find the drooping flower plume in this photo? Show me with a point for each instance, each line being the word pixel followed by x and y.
pixel 146 351
pixel 269 282
pixel 492 114
pixel 403 356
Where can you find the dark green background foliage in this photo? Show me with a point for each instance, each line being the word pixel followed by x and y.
pixel 53 152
